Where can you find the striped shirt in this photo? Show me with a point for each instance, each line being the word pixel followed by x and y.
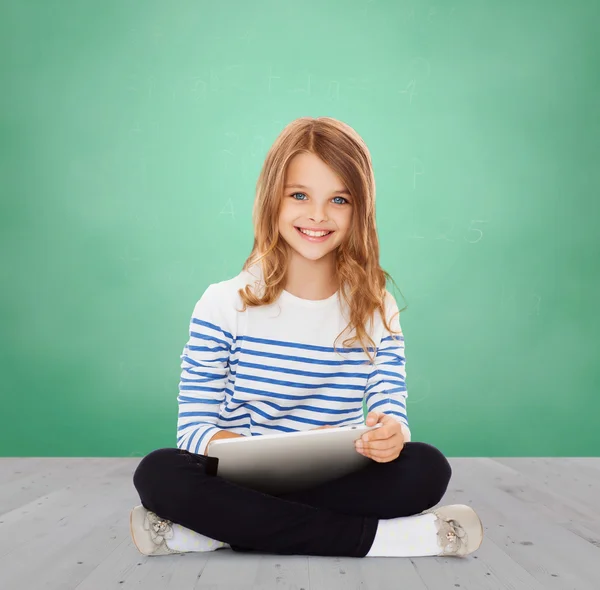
pixel 274 369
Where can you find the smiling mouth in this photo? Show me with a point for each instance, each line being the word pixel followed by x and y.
pixel 315 239
pixel 329 231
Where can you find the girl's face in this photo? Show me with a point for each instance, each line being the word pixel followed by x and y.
pixel 314 198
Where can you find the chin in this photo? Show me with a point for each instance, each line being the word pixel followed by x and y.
pixel 314 257
pixel 313 254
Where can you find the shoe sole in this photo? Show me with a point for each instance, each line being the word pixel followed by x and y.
pixel 131 531
pixel 139 513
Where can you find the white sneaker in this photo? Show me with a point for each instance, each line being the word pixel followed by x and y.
pixel 460 530
pixel 150 532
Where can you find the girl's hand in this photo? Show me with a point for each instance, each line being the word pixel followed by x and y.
pixel 384 444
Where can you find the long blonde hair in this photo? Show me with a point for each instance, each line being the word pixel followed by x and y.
pixel 362 280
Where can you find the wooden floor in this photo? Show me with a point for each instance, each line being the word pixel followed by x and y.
pixel 64 524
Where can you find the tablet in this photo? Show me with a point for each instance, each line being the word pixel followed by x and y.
pixel 288 462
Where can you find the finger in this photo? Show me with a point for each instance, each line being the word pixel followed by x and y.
pixel 372 418
pixel 398 445
pixel 382 456
pixel 389 427
pixel 381 445
pixel 382 433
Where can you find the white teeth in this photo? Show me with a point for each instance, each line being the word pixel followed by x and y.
pixel 314 234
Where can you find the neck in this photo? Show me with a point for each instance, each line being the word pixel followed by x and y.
pixel 312 279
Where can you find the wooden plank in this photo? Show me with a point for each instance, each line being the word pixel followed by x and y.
pixel 16 467
pixel 78 536
pixel 64 542
pixel 552 503
pixel 568 478
pixel 589 462
pixel 67 485
pixel 126 567
pixel 289 572
pixel 35 479
pixel 368 573
pixel 229 570
pixel 555 557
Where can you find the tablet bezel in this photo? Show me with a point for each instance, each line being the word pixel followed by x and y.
pixel 360 428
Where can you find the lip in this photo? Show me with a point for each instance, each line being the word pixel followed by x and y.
pixel 310 238
pixel 312 228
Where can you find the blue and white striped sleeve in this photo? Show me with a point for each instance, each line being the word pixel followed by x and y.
pixel 386 384
pixel 204 374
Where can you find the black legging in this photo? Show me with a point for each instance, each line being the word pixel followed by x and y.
pixel 338 518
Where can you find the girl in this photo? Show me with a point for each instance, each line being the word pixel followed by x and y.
pixel 262 357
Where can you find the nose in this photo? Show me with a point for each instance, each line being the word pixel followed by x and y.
pixel 318 214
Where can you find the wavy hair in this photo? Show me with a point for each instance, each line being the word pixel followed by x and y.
pixel 361 279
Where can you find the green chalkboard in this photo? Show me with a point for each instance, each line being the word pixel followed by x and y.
pixel 132 137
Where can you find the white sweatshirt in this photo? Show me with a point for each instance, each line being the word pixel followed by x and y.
pixel 273 368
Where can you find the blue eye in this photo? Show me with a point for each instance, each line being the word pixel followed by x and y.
pixel 343 199
pixel 293 195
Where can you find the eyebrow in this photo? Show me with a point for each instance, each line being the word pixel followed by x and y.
pixel 345 191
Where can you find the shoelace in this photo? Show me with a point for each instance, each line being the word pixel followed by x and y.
pixel 160 528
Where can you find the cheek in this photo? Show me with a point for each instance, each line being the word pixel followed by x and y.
pixel 285 215
pixel 345 223
pixel 285 225
pixel 282 218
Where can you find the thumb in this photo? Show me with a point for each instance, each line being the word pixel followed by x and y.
pixel 372 418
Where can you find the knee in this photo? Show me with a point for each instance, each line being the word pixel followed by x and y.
pixel 435 468
pixel 416 481
pixel 153 466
